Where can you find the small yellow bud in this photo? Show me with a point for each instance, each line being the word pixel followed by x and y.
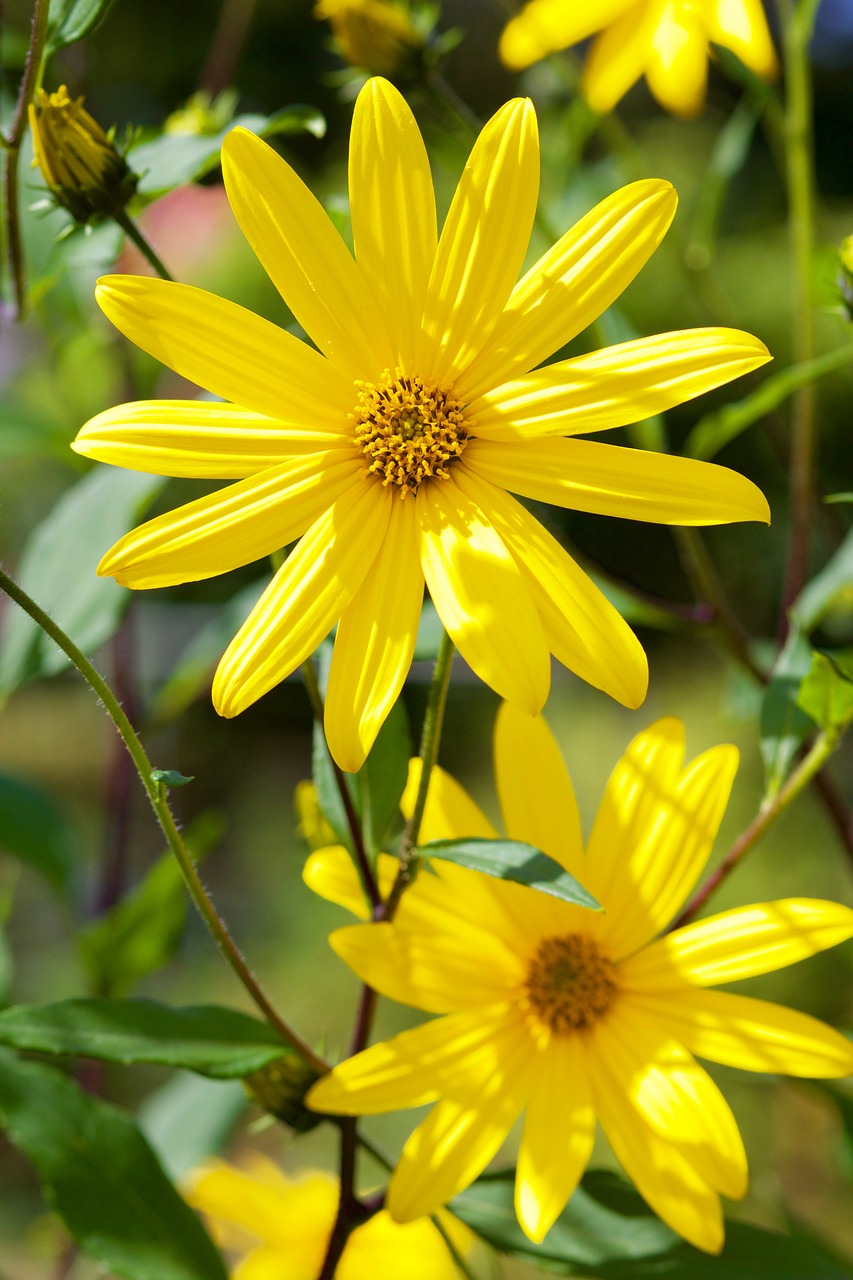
pixel 78 161
pixel 375 35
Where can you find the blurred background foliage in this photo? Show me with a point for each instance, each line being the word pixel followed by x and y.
pixel 75 829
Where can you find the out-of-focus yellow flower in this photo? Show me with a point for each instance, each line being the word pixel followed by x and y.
pixel 667 41
pixel 280 1227
pixel 313 827
pixel 390 447
pixel 202 114
pixel 572 1014
pixel 78 161
pixel 375 35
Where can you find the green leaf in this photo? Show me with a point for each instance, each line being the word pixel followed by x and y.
pixel 208 1039
pixel 839 497
pixel 513 860
pixel 171 777
pixel 607 1232
pixel 190 1118
pixel 102 1178
pixel 834 581
pixel 36 831
pixel 784 725
pixel 72 21
pixel 826 693
pixel 382 779
pixel 58 570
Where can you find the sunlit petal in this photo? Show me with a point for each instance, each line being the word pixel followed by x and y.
pixel 677 67
pixel 450 812
pixel 543 26
pixel 619 57
pixel 741 25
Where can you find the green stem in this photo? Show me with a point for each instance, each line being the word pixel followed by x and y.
pixel 808 768
pixel 156 792
pixel 132 231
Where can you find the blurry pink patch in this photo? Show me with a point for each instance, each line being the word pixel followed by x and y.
pixel 187 227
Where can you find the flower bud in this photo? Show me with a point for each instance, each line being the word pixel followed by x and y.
pixel 375 35
pixel 78 161
pixel 280 1088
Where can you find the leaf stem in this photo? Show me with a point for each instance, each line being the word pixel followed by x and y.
pixel 156 792
pixel 133 232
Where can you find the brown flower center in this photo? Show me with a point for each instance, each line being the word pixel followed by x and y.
pixel 409 431
pixel 570 983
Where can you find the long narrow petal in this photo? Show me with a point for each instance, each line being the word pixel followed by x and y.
pixel 229 351
pixel 582 628
pixel 536 794
pixel 463 1132
pixel 481 596
pixel 199 439
pixel 618 385
pixel 559 1128
pixel 571 284
pixel 306 259
pixel 482 244
pixel 543 26
pixel 619 57
pixel 305 598
pixel 450 812
pixel 668 856
pixel 408 1070
pixel 677 67
pixel 741 943
pixel 741 25
pixel 754 1035
pixel 375 642
pixel 231 527
pixel 609 480
pixel 393 211
pixel 331 874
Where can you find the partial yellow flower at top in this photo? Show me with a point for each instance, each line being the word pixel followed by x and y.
pixel 571 1015
pixel 667 41
pixel 391 449
pixel 375 35
pixel 281 1227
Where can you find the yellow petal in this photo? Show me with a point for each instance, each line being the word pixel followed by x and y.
pixel 305 598
pixel 331 874
pixel 742 943
pixel 450 812
pixel 536 794
pixel 573 283
pixel 609 480
pixel 464 1131
pixel 393 211
pixel 740 25
pixel 228 350
pixel 543 26
pixel 374 643
pixel 304 256
pixel 754 1035
pixel 205 441
pixel 232 527
pixel 482 244
pixel 619 57
pixel 559 1129
pixel 618 385
pixel 677 68
pixel 582 628
pixel 481 597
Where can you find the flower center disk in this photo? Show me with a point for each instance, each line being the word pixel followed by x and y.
pixel 570 983
pixel 409 431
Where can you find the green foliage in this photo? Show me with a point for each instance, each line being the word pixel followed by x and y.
pixel 36 830
pixel 784 724
pixel 102 1178
pixel 516 861
pixel 832 584
pixel 826 693
pixel 71 20
pixel 170 778
pixel 189 1118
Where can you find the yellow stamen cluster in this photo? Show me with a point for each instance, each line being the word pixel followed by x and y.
pixel 570 983
pixel 409 431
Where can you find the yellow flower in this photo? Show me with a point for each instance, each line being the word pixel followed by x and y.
pixel 389 450
pixel 77 159
pixel 571 1014
pixel 282 1226
pixel 667 41
pixel 376 35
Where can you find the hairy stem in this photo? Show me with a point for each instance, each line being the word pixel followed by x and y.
pixel 132 231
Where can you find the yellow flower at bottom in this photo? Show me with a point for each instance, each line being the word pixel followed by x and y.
pixel 571 1015
pixel 667 41
pixel 281 1225
pixel 392 450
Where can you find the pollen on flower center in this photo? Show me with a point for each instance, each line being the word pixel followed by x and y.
pixel 409 431
pixel 570 983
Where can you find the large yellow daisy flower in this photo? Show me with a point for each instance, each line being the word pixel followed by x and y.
pixel 279 1226
pixel 571 1014
pixel 389 450
pixel 667 41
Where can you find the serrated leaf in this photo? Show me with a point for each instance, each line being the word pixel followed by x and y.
pixel 513 860
pixel 36 831
pixel 102 1178
pixel 74 20
pixel 208 1039
pixel 784 725
pixel 58 570
pixel 819 595
pixel 189 1119
pixel 826 693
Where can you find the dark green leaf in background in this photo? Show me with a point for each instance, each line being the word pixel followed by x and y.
pixel 784 724
pixel 71 20
pixel 36 831
pixel 513 860
pixel 826 693
pixel 382 780
pixel 102 1178
pixel 832 585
